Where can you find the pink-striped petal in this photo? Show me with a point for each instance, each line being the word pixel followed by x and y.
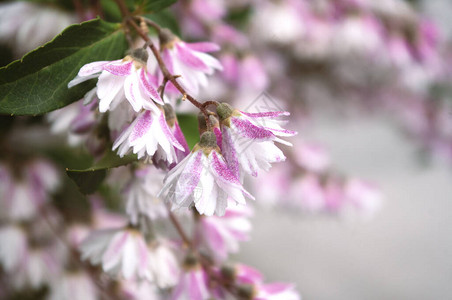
pixel 148 88
pixel 203 46
pixel 190 60
pixel 92 68
pixel 119 69
pixel 142 126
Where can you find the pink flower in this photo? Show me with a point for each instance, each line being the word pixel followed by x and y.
pixel 221 235
pixel 251 286
pixel 308 193
pixel 363 197
pixel 204 179
pixel 121 78
pixel 147 135
pixel 248 139
pixel 276 291
pixel 189 60
pixel 171 119
pixel 312 157
pixel 192 283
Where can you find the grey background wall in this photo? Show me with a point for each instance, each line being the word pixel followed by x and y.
pixel 403 253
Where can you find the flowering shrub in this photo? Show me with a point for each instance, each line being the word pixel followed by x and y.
pixel 158 191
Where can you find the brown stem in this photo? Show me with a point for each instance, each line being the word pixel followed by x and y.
pixel 151 23
pixel 207 103
pixel 166 73
pixel 123 8
pixel 79 10
pixel 179 228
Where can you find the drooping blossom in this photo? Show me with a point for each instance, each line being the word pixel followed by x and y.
pixel 124 78
pixel 221 235
pixel 203 179
pixel 192 284
pixel 163 266
pixel 248 139
pixel 159 159
pixel 149 133
pixel 125 253
pixel 189 60
pixel 120 252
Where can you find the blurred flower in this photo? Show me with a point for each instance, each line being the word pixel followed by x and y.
pixel 189 60
pixel 25 26
pixel 221 235
pixel 192 283
pixel 120 251
pixel 73 286
pixel 13 246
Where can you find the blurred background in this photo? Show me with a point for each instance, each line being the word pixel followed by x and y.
pixel 404 251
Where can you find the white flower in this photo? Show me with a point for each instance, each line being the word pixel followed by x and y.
pixel 148 134
pixel 203 178
pixel 124 78
pixel 141 195
pixel 163 266
pixel 248 139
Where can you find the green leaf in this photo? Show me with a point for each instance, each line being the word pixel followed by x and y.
pixel 108 161
pixel 189 125
pixel 88 182
pixel 37 83
pixel 90 178
pixel 165 19
pixel 155 5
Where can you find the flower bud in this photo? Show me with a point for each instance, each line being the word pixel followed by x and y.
pixel 140 54
pixel 208 140
pixel 224 111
